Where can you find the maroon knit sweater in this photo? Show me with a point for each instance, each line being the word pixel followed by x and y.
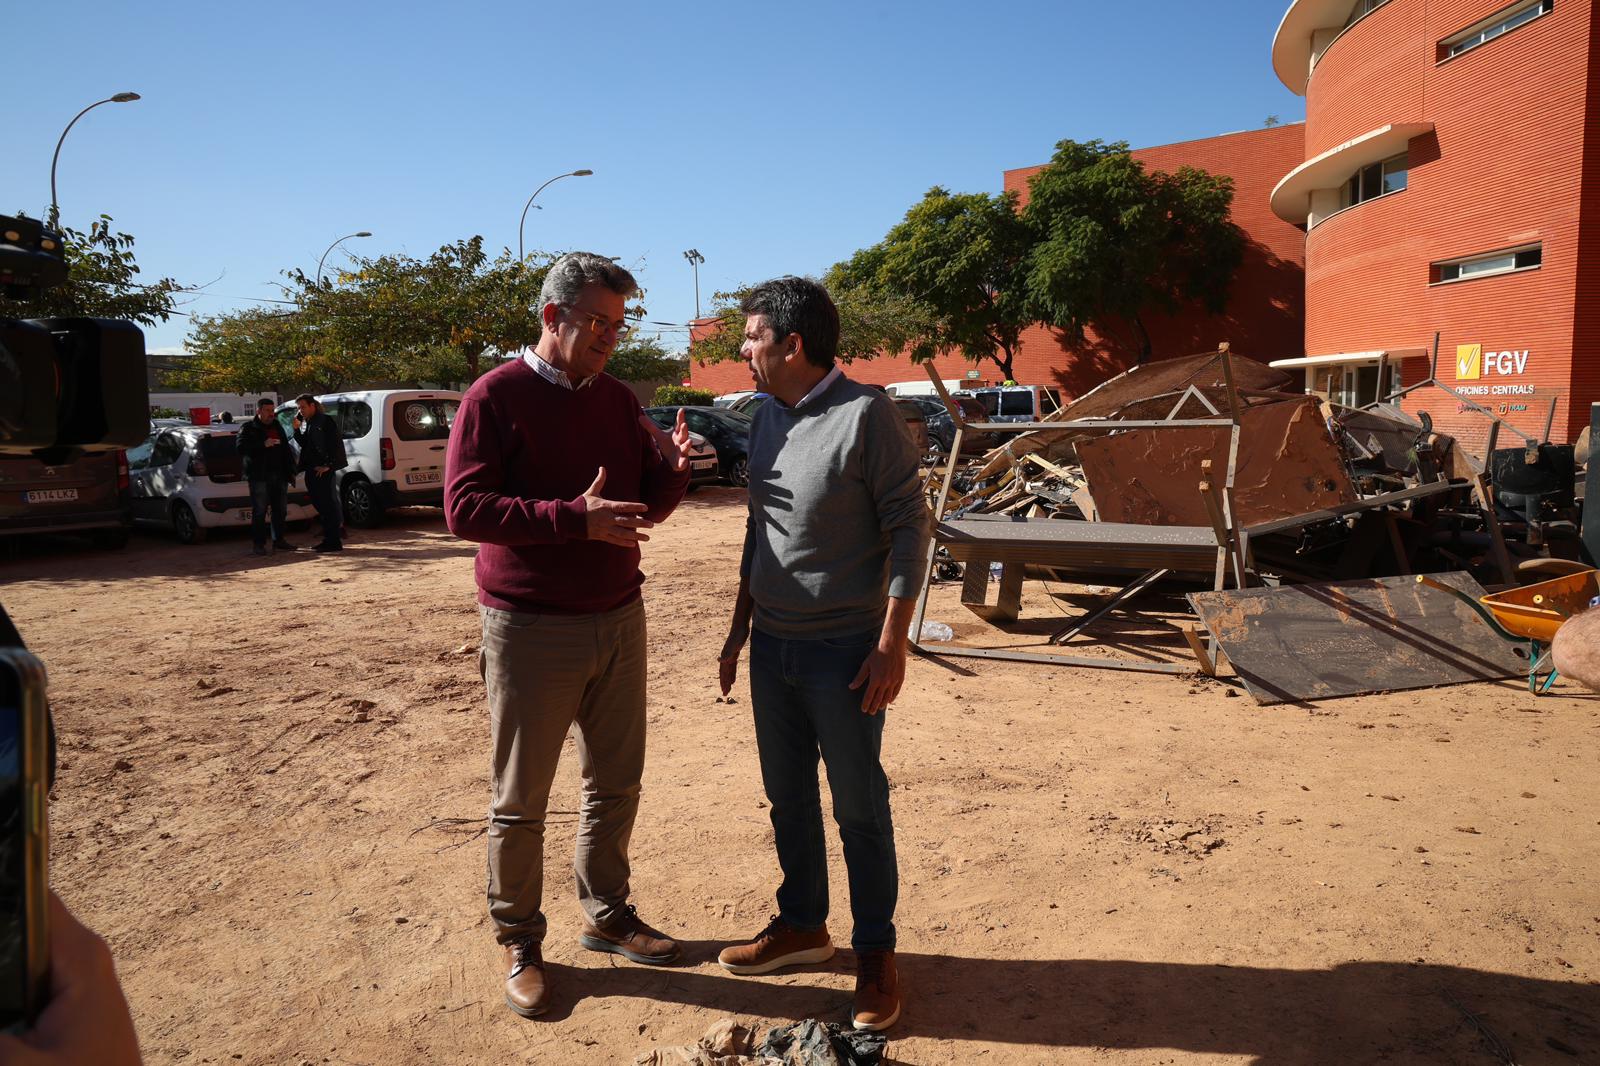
pixel 522 452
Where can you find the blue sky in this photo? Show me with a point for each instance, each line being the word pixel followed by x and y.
pixel 775 139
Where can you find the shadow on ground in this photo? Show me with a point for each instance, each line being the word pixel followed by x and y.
pixel 1358 1012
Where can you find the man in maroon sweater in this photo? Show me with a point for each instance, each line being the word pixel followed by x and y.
pixel 555 471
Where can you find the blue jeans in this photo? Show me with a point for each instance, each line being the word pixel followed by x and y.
pixel 325 498
pixel 803 706
pixel 273 493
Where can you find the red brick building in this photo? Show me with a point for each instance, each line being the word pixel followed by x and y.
pixel 1449 184
pixel 1264 318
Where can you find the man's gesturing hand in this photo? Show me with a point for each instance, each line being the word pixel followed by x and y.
pixel 675 445
pixel 613 521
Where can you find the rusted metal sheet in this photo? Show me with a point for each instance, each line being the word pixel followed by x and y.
pixel 1288 465
pixel 1344 638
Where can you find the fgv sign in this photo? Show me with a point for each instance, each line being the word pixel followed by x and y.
pixel 1473 363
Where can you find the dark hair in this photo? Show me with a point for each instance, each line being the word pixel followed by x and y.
pixel 798 305
pixel 264 402
pixel 306 397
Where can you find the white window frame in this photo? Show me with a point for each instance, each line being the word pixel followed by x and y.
pixel 1503 253
pixel 1478 33
pixel 1383 173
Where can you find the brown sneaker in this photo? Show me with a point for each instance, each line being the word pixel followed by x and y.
pixel 877 991
pixel 776 946
pixel 527 992
pixel 629 937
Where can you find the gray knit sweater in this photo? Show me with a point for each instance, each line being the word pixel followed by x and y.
pixel 837 519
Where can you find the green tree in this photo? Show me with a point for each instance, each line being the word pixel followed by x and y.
pixel 870 322
pixel 1116 242
pixel 439 316
pixel 645 359
pixel 680 395
pixel 953 272
pixel 101 282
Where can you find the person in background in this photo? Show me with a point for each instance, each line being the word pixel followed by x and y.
pixel 269 468
pixel 321 454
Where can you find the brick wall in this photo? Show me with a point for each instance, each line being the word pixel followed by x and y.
pixel 1504 167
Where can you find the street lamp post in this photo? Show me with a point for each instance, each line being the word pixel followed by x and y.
pixel 695 259
pixel 331 247
pixel 55 210
pixel 570 174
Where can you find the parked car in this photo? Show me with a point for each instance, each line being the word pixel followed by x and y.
pixel 748 405
pixel 190 479
pixel 916 423
pixel 1017 403
pixel 728 399
pixel 88 494
pixel 395 442
pixel 728 432
pixel 942 428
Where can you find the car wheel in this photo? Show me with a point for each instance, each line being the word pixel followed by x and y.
pixel 110 539
pixel 739 472
pixel 361 506
pixel 185 525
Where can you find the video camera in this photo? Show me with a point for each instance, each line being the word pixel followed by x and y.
pixel 67 385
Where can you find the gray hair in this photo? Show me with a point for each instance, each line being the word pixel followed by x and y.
pixel 573 272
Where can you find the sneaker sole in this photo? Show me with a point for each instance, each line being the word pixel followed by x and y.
pixel 875 1027
pixel 594 944
pixel 794 958
pixel 525 1012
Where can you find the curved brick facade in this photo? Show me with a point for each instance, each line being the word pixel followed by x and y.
pixel 1509 164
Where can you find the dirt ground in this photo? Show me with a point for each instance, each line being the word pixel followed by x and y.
pixel 274 774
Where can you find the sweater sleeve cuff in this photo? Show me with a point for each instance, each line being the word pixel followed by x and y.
pixel 572 519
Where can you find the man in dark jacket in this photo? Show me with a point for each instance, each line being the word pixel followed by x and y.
pixel 321 453
pixel 269 468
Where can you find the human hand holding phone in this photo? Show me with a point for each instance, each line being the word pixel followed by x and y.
pixel 86 1019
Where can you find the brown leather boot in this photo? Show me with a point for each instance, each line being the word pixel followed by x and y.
pixel 629 937
pixel 877 991
pixel 778 945
pixel 527 992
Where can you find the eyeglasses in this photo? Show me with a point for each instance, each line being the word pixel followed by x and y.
pixel 598 324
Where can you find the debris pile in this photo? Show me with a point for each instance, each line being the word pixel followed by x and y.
pixel 1219 472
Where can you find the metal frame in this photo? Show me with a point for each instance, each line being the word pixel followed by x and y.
pixel 1231 544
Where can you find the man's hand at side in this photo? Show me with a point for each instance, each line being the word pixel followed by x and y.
pixel 882 674
pixel 674 446
pixel 728 661
pixel 885 669
pixel 613 521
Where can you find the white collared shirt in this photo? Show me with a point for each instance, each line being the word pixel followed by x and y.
pixel 822 386
pixel 554 376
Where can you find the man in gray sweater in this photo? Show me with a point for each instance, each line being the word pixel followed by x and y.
pixel 834 557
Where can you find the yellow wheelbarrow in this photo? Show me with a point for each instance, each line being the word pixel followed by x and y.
pixel 1530 615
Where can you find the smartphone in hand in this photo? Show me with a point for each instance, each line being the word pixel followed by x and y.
pixel 24 839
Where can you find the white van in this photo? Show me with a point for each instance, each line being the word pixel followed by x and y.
pixel 394 441
pixel 923 387
pixel 1017 403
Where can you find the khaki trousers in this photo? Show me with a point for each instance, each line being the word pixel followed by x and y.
pixel 545 674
